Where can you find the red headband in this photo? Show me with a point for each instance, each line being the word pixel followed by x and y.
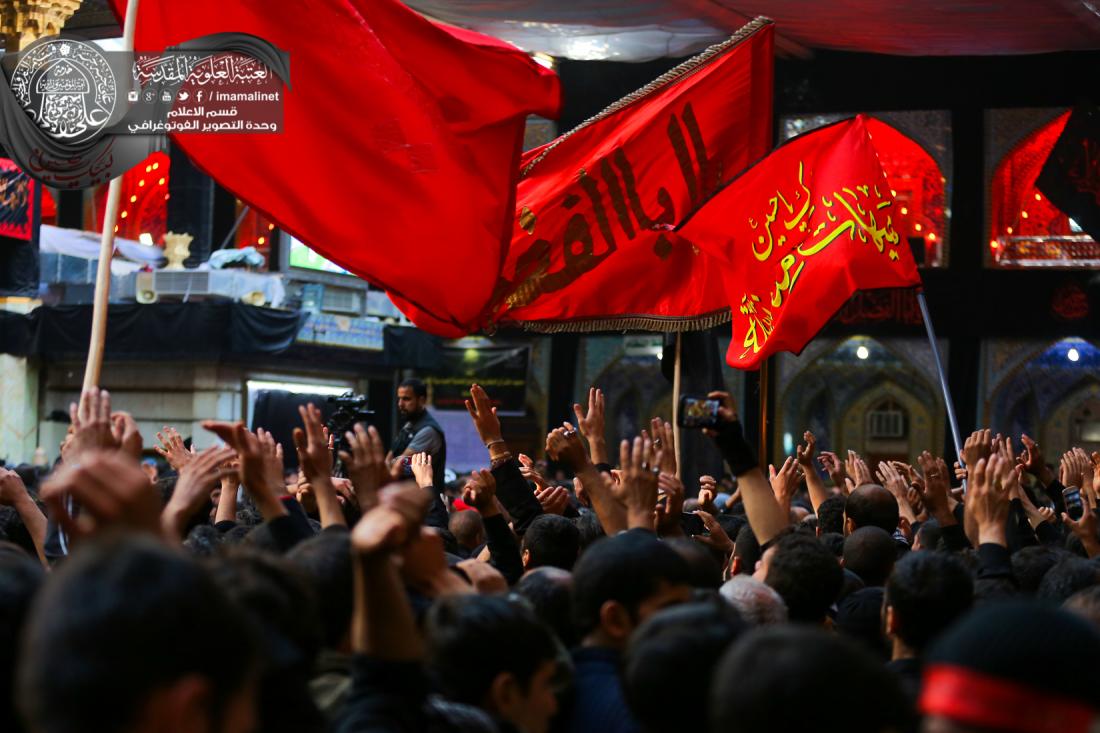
pixel 972 698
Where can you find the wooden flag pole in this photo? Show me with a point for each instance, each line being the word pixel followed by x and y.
pixel 107 244
pixel 676 405
pixel 943 377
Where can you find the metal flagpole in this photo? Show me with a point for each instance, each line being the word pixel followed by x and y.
pixel 676 405
pixel 98 340
pixel 943 377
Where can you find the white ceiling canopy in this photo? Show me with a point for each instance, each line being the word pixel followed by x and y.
pixel 640 30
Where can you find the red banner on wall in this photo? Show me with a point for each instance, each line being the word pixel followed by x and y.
pixel 593 246
pixel 16 197
pixel 798 234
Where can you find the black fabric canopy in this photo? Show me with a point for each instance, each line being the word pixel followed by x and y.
pixel 199 331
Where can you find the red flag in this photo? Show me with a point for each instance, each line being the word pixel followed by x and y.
pixel 400 143
pixel 798 234
pixel 593 247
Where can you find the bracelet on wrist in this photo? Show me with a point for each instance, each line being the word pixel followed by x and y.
pixel 491 443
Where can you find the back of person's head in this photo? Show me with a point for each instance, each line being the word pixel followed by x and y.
pixel 806 575
pixel 704 569
pixel 929 536
pixel 871 505
pixel 671 657
pixel 493 653
pixel 927 592
pixel 834 541
pixel 551 540
pixel 281 604
pixel 467 528
pixel 731 524
pixel 549 590
pixel 122 620
pixel 626 571
pixel 1070 575
pixel 830 515
pixel 1039 658
pixel 757 602
pixel 1086 604
pixel 1030 564
pixel 20 577
pixel 325 562
pixel 203 541
pixel 591 531
pixel 859 617
pixel 781 678
pixel 870 552
pixel 746 548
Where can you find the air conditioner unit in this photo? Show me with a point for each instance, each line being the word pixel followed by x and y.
pixel 342 300
pixel 149 287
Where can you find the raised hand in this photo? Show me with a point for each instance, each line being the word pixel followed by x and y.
pixel 857 469
pixel 484 416
pixel 1071 470
pixel 638 489
pixel 196 481
pixel 554 499
pixel 664 445
pixel 480 492
pixel 708 490
pixel 715 537
pixel 91 424
pixel 1033 462
pixel 172 449
pixel 805 453
pixel 934 488
pixel 112 491
pixel 727 409
pixel 978 446
pixel 785 481
pixel 1085 528
pixel 393 523
pixel 896 484
pixel 261 464
pixel 591 424
pixel 365 464
pixel 669 511
pixel 315 457
pixel 835 468
pixel 528 471
pixel 564 444
pixel 126 434
pixel 987 499
pixel 422 470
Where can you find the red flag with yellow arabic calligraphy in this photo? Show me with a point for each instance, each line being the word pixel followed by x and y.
pixel 798 234
pixel 592 247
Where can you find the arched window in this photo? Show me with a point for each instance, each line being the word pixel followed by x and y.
pixel 888 420
pixel 1026 229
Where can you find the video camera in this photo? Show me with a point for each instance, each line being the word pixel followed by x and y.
pixel 351 409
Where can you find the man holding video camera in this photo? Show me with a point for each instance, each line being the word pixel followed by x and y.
pixel 419 433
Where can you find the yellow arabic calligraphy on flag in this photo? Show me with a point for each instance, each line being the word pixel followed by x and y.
pixel 826 225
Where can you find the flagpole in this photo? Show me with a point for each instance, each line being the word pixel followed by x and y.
pixel 763 384
pixel 676 405
pixel 943 377
pixel 98 340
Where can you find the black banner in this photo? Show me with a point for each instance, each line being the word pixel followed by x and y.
pixel 502 371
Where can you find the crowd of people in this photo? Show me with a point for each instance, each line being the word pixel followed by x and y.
pixel 361 593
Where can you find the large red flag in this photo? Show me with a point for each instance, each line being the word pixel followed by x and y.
pixel 592 247
pixel 400 144
pixel 797 235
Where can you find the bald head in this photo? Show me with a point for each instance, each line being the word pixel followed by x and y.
pixel 871 506
pixel 467 528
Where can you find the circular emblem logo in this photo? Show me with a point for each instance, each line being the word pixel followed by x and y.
pixel 67 87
